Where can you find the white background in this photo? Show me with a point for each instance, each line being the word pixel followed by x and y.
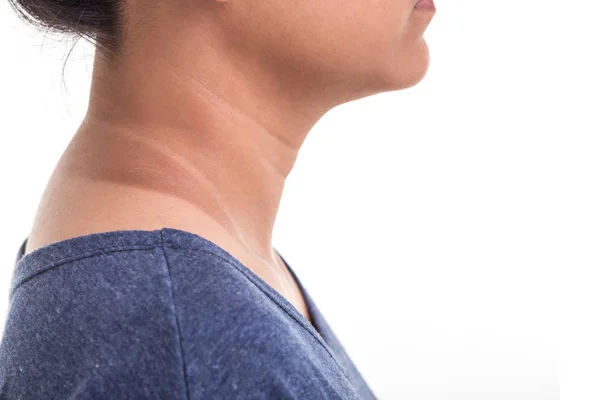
pixel 462 215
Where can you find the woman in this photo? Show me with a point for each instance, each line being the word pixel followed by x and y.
pixel 149 271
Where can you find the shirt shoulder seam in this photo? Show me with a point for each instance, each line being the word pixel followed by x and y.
pixel 175 316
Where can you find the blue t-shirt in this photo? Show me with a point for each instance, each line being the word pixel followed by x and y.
pixel 162 314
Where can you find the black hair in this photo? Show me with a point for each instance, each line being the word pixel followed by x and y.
pixel 98 21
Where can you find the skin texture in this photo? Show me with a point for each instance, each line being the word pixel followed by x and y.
pixel 197 124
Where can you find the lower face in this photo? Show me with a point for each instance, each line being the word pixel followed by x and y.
pixel 367 45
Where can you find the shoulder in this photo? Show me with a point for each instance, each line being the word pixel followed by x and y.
pixel 91 315
pixel 128 315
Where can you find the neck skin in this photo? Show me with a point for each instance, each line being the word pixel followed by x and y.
pixel 198 123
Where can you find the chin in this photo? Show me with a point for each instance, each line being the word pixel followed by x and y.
pixel 399 72
pixel 411 69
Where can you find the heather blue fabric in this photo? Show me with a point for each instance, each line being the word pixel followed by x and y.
pixel 163 314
